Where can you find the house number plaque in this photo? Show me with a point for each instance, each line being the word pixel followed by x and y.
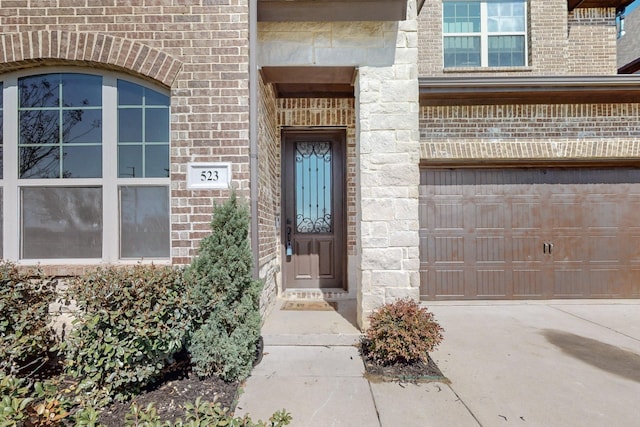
pixel 204 176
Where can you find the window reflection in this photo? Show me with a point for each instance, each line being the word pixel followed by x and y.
pixel 61 222
pixel 144 222
pixel 49 118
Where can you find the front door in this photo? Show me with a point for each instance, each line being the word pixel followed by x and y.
pixel 313 232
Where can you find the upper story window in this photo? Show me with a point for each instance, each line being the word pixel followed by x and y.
pixel 485 33
pixel 86 168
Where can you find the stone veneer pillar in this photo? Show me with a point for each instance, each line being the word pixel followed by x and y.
pixel 388 155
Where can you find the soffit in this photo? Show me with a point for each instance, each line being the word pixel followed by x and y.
pixel 310 82
pixel 332 10
pixel 529 90
pixel 618 4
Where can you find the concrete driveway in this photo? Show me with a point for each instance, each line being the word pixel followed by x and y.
pixel 547 363
pixel 552 363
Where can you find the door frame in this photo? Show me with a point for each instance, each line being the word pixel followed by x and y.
pixel 338 135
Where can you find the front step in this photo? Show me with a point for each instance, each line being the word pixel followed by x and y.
pixel 333 325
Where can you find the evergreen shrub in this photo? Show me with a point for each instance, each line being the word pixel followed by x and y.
pixel 225 297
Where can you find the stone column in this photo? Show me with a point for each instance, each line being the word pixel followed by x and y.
pixel 387 168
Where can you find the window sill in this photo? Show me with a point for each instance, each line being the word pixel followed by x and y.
pixel 487 69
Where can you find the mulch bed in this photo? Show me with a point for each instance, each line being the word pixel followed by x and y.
pixel 412 372
pixel 169 399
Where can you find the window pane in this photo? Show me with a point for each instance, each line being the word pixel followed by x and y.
pixel 40 161
pixel 129 93
pixel 313 187
pixel 61 222
pixel 156 125
pixel 462 51
pixel 46 124
pixel 156 161
pixel 129 161
pixel 39 91
pixel 155 98
pixel 461 17
pixel 505 51
pixel 81 90
pixel 39 127
pixel 505 16
pixel 83 126
pixel 82 162
pixel 130 125
pixel 144 222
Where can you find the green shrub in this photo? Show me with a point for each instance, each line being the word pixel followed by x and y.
pixel 400 332
pixel 26 338
pixel 225 297
pixel 129 325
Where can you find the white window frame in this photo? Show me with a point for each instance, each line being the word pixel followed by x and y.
pixel 484 35
pixel 110 182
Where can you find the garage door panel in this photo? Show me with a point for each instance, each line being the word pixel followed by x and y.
pixel 530 233
pixel 490 215
pixel 605 250
pixel 569 283
pixel 449 282
pixel 491 283
pixel 447 216
pixel 528 283
pixel 527 249
pixel 525 216
pixel 448 250
pixel 490 249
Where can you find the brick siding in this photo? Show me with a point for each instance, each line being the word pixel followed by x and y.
pixel 197 48
pixel 576 131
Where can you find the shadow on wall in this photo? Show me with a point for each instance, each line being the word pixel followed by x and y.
pixel 607 357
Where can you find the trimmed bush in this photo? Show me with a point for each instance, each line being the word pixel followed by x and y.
pixel 225 297
pixel 26 338
pixel 401 332
pixel 129 325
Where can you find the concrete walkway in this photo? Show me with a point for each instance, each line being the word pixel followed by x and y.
pixel 550 363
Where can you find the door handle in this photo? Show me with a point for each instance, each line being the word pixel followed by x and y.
pixel 544 248
pixel 289 247
pixel 550 247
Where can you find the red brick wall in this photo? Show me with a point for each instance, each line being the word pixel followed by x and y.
pixel 197 48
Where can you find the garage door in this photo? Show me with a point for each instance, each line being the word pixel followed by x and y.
pixel 530 233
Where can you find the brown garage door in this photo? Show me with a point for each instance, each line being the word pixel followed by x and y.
pixel 530 233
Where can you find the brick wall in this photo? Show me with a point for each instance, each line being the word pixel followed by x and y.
pixel 592 41
pixel 197 48
pixel 583 131
pixel 582 42
pixel 268 195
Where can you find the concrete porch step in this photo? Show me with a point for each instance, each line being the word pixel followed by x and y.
pixel 333 326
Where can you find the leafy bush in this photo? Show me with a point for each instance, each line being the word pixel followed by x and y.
pixel 225 297
pixel 400 332
pixel 25 335
pixel 129 325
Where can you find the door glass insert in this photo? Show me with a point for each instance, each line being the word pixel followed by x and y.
pixel 313 187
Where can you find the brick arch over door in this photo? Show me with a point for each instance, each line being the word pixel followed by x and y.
pixel 36 48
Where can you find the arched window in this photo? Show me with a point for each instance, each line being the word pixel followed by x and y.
pixel 85 168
